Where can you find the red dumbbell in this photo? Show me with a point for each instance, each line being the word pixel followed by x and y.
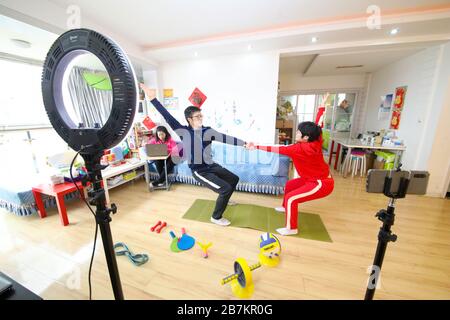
pixel 162 227
pixel 155 226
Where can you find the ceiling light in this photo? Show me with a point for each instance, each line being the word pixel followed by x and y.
pixel 249 47
pixel 314 39
pixel 23 44
pixel 350 67
pixel 195 54
pixel 394 31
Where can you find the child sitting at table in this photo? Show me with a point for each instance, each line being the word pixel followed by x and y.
pixel 163 137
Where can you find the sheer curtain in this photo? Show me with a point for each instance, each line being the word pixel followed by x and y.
pixel 91 105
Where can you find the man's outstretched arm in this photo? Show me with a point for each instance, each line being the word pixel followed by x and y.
pixel 224 138
pixel 151 95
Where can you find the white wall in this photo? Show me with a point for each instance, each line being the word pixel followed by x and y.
pixel 249 81
pixel 419 117
pixel 438 162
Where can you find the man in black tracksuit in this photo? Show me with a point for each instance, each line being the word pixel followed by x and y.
pixel 197 141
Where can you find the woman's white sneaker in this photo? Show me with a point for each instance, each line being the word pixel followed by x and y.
pixel 221 222
pixel 280 209
pixel 287 232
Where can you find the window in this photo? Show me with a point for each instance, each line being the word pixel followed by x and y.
pixel 21 97
pixel 22 109
pixel 305 108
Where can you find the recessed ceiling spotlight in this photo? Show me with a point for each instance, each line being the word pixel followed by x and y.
pixel 249 47
pixel 23 44
pixel 394 31
pixel 195 54
pixel 314 39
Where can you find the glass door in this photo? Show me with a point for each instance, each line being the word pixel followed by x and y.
pixel 343 114
pixel 285 133
pixel 334 110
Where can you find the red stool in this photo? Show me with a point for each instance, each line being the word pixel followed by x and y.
pixel 58 191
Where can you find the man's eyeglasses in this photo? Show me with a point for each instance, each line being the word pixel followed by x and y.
pixel 200 116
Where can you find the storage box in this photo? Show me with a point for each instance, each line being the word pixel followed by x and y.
pixel 377 164
pixel 129 175
pixel 370 159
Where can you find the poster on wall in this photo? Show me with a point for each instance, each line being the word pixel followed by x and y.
pixel 168 93
pixel 171 103
pixel 197 98
pixel 397 109
pixel 385 107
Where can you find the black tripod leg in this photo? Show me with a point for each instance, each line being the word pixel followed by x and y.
pixel 384 236
pixel 102 216
pixel 376 270
pixel 108 246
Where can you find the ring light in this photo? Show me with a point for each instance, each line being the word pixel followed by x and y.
pixel 124 88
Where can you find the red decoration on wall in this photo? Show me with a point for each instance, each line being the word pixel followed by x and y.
pixel 395 120
pixel 397 109
pixel 399 98
pixel 148 123
pixel 197 98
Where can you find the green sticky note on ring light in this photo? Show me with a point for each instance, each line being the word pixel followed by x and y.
pixel 98 81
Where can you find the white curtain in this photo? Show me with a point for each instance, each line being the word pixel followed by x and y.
pixel 91 105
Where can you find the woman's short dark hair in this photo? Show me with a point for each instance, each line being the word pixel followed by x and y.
pixel 190 111
pixel 162 129
pixel 310 129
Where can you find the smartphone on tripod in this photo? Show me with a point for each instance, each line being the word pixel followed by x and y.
pixel 418 180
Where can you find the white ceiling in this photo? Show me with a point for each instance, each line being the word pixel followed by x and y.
pixel 296 64
pixel 325 64
pixel 367 61
pixel 410 32
pixel 162 22
pixel 40 40
pixel 166 30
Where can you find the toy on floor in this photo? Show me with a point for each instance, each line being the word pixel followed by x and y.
pixel 186 242
pixel 164 224
pixel 155 226
pixel 174 243
pixel 269 255
pixel 204 248
pixel 269 250
pixel 136 259
pixel 241 281
pixel 158 227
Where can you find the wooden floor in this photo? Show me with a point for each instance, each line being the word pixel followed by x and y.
pixel 53 260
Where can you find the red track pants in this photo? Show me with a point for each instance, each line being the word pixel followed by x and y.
pixel 301 190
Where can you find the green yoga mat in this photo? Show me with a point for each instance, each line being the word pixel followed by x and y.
pixel 260 218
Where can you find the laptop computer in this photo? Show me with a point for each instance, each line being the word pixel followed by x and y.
pixel 156 150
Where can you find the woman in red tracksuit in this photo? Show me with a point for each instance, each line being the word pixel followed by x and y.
pixel 315 180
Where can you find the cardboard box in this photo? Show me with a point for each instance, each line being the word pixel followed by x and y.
pixel 377 164
pixel 370 159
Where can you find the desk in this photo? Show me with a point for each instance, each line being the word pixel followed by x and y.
pixel 18 292
pixel 110 172
pixel 58 191
pixel 147 178
pixel 356 143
